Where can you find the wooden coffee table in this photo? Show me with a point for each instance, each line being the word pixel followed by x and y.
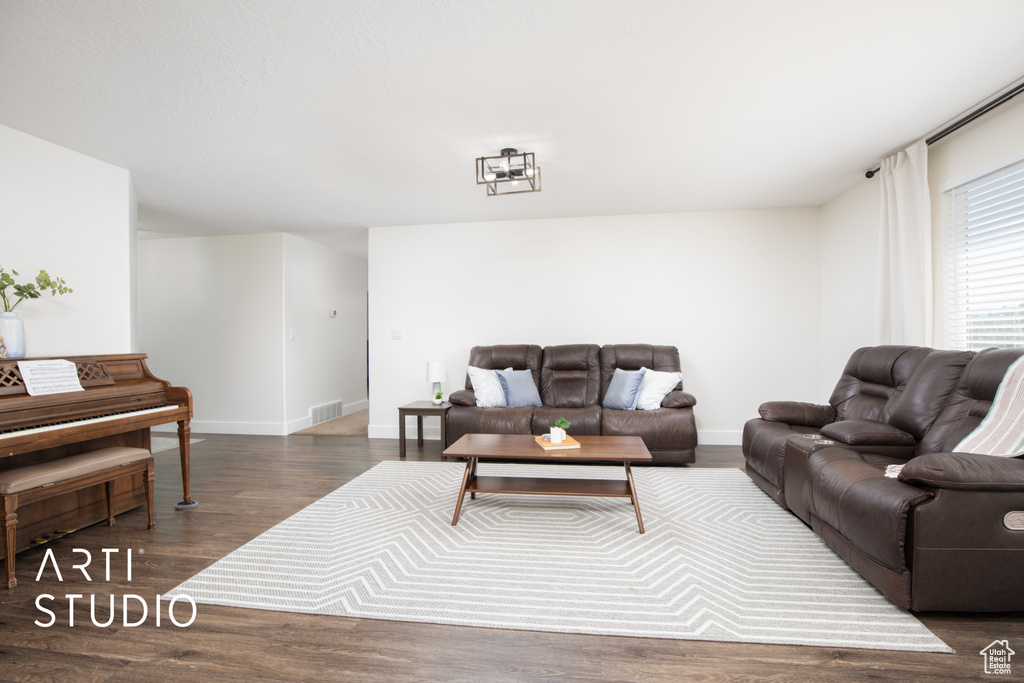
pixel 624 449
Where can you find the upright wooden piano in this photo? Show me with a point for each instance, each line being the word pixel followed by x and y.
pixel 120 401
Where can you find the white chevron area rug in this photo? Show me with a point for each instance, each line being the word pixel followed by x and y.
pixel 720 561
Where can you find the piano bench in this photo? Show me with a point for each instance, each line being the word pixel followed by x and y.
pixel 33 483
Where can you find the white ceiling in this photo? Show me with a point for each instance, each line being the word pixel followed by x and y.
pixel 324 117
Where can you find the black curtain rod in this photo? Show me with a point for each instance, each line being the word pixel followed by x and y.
pixel 957 125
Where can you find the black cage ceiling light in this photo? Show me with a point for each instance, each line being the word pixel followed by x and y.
pixel 511 172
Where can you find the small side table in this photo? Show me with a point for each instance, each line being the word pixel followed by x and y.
pixel 420 409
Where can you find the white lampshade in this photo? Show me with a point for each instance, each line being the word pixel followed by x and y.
pixel 437 371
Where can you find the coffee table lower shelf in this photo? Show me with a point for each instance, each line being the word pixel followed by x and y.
pixel 611 488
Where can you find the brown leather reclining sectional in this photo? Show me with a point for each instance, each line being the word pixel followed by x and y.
pixel 572 380
pixel 947 533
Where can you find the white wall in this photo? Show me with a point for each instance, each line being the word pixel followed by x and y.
pixel 133 263
pixel 988 144
pixel 217 316
pixel 325 362
pixel 736 291
pixel 211 312
pixel 71 216
pixel 849 268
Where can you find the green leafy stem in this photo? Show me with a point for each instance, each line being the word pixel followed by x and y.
pixel 30 290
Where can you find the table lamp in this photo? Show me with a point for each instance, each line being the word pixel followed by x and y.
pixel 437 372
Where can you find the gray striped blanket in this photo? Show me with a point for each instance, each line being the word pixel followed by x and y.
pixel 1002 431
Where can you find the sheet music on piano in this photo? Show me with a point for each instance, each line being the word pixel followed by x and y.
pixel 44 377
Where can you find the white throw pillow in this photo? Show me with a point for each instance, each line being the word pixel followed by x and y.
pixel 487 388
pixel 655 387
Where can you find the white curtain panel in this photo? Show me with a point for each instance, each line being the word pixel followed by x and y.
pixel 904 295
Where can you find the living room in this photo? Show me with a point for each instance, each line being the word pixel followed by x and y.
pixel 766 283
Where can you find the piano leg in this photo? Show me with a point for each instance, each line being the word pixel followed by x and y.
pixel 10 512
pixel 184 432
pixel 149 476
pixel 110 503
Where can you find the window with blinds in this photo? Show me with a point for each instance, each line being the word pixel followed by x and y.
pixel 985 261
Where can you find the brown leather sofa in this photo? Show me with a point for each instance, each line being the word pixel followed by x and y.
pixel 948 533
pixel 572 380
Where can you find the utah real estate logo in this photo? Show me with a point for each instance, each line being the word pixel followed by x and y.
pixel 997 657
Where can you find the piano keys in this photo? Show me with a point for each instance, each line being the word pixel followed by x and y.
pixel 32 434
pixel 121 400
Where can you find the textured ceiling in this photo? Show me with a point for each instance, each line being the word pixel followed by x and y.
pixel 330 116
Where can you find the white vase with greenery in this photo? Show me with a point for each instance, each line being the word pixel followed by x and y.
pixel 558 430
pixel 12 327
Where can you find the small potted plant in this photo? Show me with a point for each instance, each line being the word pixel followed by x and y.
pixel 558 430
pixel 12 328
pixel 437 399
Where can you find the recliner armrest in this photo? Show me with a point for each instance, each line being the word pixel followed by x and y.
pixel 678 399
pixel 867 433
pixel 797 413
pixel 971 471
pixel 462 397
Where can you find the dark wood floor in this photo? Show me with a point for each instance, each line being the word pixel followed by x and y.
pixel 247 484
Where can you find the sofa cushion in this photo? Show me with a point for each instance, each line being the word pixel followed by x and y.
pixel 851 494
pixel 797 413
pixel 655 388
pixel 501 356
pixel 970 401
pixel 624 389
pixel 926 393
pixel 968 471
pixel 665 429
pixel 462 397
pixel 462 420
pixel 868 433
pixel 586 421
pixel 570 375
pixel 678 399
pixel 520 390
pixel 873 380
pixel 487 388
pixel 634 357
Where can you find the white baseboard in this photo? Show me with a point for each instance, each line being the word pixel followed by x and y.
pixel 277 428
pixel 355 407
pixel 430 433
pixel 248 428
pixel 727 437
